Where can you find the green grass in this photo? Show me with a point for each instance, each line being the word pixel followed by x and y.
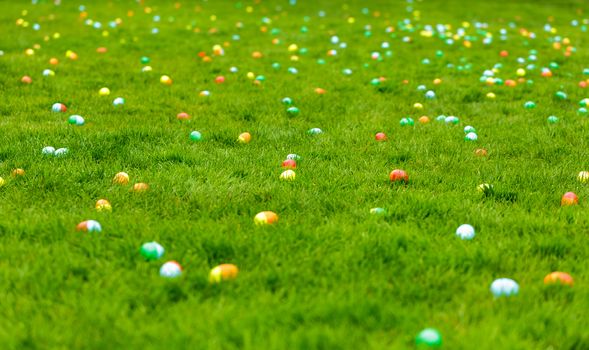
pixel 329 275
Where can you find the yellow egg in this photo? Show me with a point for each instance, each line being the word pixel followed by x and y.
pixel 103 205
pixel 491 96
pixel 521 72
pixel 417 105
pixel 166 80
pixel 223 272
pixel 251 75
pixel 292 48
pixel 104 91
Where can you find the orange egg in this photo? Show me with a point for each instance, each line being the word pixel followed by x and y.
pixel 423 119
pixel 480 152
pixel 183 116
pixel 18 172
pixel 257 54
pixel 223 272
pixel 121 178
pixel 26 79
pixel 320 91
pixel 558 277
pixel 53 61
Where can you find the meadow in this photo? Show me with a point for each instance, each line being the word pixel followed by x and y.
pixel 329 274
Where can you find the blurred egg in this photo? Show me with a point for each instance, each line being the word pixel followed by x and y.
pixel 121 178
pixel 504 287
pixel 195 136
pixel 164 79
pixel 558 277
pixel 58 107
pixel 104 91
pixel 171 269
pixel 183 116
pixel 244 137
pixel 289 164
pixel 288 175
pixel 103 205
pixel 89 226
pixel 569 198
pixel 119 101
pixel 381 136
pixel 223 272
pixel 140 187
pixel 48 150
pixel 151 251
pixel 583 176
pixel 465 232
pixel 265 218
pixel 399 175
pixel 60 152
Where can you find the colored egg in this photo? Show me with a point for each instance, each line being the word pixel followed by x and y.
pixel 89 226
pixel 529 105
pixel 103 205
pixel 204 93
pixel 144 60
pixel 265 218
pixel 60 152
pixel 552 119
pixel 220 79
pixel 377 211
pixel 480 152
pixel 171 269
pixel 294 157
pixel 164 79
pixel 583 176
pixel 195 136
pixel 76 120
pixel 569 198
pixel 430 95
pixel 121 178
pixel 430 338
pixel 485 188
pixel 381 136
pixel 423 119
pixel 465 232
pixel 48 73
pixel 490 96
pixel 146 69
pixel 289 164
pixel 504 287
pixel 314 131
pixel 183 116
pixel 558 277
pixel 2 182
pixel 244 137
pixel 18 172
pixel 471 136
pixel 469 129
pixel 399 175
pixel 151 251
pixel 292 111
pixel 451 120
pixel 288 175
pixel 104 91
pixel 223 272
pixel 26 79
pixel 48 150
pixel 287 101
pixel 119 101
pixel 58 107
pixel 140 187
pixel 406 122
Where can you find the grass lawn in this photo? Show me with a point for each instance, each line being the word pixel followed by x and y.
pixel 329 274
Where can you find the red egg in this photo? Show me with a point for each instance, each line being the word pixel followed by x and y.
pixel 399 175
pixel 558 277
pixel 381 136
pixel 26 79
pixel 220 79
pixel 289 164
pixel 569 198
pixel 582 84
pixel 504 53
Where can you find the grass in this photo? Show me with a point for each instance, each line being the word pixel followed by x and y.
pixel 329 275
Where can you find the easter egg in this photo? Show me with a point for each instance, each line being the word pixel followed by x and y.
pixel 480 152
pixel 244 137
pixel 89 226
pixel 521 72
pixel 104 91
pixel 561 95
pixel 140 187
pixel 121 178
pixel 377 211
pixel 265 218
pixel 103 205
pixel 119 101
pixel 60 152
pixel 287 101
pixel 490 96
pixel 418 106
pixel 26 79
pixel 171 269
pixel 58 107
pixel 294 157
pixel 430 95
pixel 451 120
pixel 18 172
pixel 582 111
pixel 288 175
pixel 504 287
pixel 569 198
pixel 183 116
pixel 423 119
pixel 406 122
pixel 529 105
pixel 166 80
pixel 48 150
pixel 381 136
pixel 485 188
pixel 289 164
pixel 76 120
pixel 552 119
pixel 583 176
pixel 195 136
pixel 2 182
pixel 469 129
pixel 471 136
pixel 146 69
pixel 314 131
pixel 292 111
pixel 465 232
pixel 399 175
pixel 48 73
pixel 223 272
pixel 429 338
pixel 220 79
pixel 151 251
pixel 144 60
pixel 559 278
